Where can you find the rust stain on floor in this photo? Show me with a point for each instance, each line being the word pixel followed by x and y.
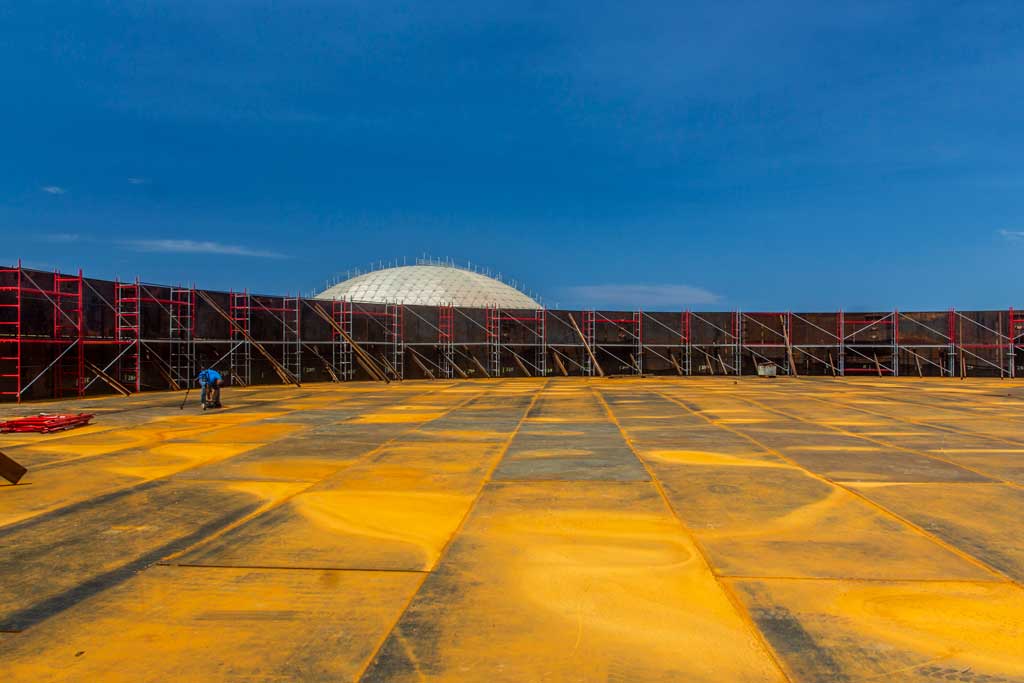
pixel 523 530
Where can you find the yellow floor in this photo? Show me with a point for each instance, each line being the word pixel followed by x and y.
pixel 653 529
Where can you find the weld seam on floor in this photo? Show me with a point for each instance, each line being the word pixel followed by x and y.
pixel 193 565
pixel 72 508
pixel 926 425
pixel 360 458
pixel 40 611
pixel 920 530
pixel 58 512
pixel 458 529
pixel 730 595
pixel 880 442
pixel 744 577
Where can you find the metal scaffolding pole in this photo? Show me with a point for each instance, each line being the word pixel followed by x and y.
pixel 341 350
pixel 446 339
pixel 182 352
pixel 128 332
pixel 240 358
pixel 10 332
pixel 396 339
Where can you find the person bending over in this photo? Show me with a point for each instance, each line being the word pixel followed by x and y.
pixel 211 382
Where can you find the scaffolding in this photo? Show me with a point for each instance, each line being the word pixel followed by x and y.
pixel 45 323
pixel 519 335
pixel 619 336
pixel 493 324
pixel 978 342
pixel 664 338
pixel 286 316
pixel 10 332
pixel 1016 336
pixel 685 366
pixel 128 333
pixel 240 356
pixel 65 297
pixel 396 339
pixel 62 335
pixel 341 350
pixel 383 334
pixel 815 339
pixel 764 335
pixel 927 343
pixel 446 339
pixel 869 343
pixel 182 345
pixel 588 326
pixel 540 330
pixel 714 339
pixel 291 331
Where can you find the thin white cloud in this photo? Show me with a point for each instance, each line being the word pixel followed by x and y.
pixel 1012 234
pixel 53 189
pixel 61 237
pixel 197 247
pixel 138 181
pixel 645 296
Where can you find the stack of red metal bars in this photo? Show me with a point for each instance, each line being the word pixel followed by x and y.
pixel 45 423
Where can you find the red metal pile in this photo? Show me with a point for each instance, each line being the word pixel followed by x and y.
pixel 45 423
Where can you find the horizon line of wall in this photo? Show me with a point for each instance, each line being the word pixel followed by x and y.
pixel 65 335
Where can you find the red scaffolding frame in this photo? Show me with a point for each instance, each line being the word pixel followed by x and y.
pixel 182 327
pixel 288 314
pixel 66 336
pixel 240 355
pixel 68 327
pixel 128 331
pixel 1015 332
pixel 47 340
pixel 10 344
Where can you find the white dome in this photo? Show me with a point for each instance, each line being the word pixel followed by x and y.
pixel 429 285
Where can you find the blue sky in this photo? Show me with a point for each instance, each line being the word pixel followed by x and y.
pixel 805 155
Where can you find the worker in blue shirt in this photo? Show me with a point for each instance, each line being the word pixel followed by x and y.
pixel 210 381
